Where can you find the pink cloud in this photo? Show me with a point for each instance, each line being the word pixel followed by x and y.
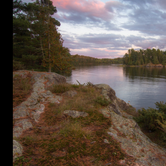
pixel 91 8
pixel 98 53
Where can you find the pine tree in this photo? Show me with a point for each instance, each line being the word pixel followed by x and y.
pixel 35 35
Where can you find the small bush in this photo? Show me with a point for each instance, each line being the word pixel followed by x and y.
pixel 153 123
pixel 153 119
pixel 60 88
pixel 75 86
pixel 17 65
pixel 102 101
pixel 22 88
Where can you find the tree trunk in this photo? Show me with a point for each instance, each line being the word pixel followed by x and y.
pixel 49 43
pixel 41 47
pixel 49 54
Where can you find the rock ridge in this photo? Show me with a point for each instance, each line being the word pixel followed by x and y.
pixel 123 128
pixel 28 112
pixel 127 132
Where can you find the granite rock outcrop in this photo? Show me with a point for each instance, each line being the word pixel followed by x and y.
pixel 127 132
pixel 28 112
pixel 123 128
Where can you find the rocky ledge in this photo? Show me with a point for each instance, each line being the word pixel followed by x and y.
pixel 28 112
pixel 123 129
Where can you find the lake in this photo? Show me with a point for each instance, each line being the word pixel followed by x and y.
pixel 139 86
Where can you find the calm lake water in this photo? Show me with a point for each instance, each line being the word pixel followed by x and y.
pixel 139 86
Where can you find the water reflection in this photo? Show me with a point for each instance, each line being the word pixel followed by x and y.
pixel 142 87
pixel 145 73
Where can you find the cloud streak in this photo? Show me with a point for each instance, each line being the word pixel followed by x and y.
pixel 108 29
pixel 110 44
pixel 85 10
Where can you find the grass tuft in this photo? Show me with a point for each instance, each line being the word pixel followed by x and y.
pixel 60 88
pixel 102 101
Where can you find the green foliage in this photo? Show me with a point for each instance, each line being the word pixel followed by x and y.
pixel 142 57
pixel 153 119
pixel 60 88
pixel 21 160
pixel 17 65
pixel 78 60
pixel 102 101
pixel 75 86
pixel 153 123
pixel 161 107
pixel 74 130
pixel 148 118
pixel 36 41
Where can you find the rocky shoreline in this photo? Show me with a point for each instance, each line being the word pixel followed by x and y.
pixel 123 129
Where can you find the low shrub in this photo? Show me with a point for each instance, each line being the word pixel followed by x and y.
pixel 60 88
pixel 17 65
pixel 22 88
pixel 153 123
pixel 102 101
pixel 153 119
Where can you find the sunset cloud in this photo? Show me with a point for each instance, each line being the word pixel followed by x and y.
pixel 107 29
pixel 110 45
pixel 85 10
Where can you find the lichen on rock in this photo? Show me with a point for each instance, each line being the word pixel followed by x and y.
pixel 20 126
pixel 70 93
pixel 75 114
pixel 17 149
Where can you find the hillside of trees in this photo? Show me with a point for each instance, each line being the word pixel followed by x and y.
pixel 86 60
pixel 37 44
pixel 143 57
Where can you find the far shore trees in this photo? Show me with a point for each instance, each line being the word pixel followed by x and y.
pixel 143 57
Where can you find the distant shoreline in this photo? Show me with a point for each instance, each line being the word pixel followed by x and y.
pixel 147 65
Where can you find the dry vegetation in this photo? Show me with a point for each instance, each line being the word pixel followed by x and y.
pixel 62 140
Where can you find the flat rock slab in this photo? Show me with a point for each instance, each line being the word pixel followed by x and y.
pixel 75 114
pixel 135 143
pixel 20 126
pixel 17 150
pixel 20 111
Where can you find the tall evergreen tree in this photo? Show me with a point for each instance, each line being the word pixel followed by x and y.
pixel 35 35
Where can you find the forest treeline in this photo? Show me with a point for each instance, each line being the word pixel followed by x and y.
pixel 86 60
pixel 143 57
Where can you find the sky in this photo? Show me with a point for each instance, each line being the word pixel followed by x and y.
pixel 108 28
